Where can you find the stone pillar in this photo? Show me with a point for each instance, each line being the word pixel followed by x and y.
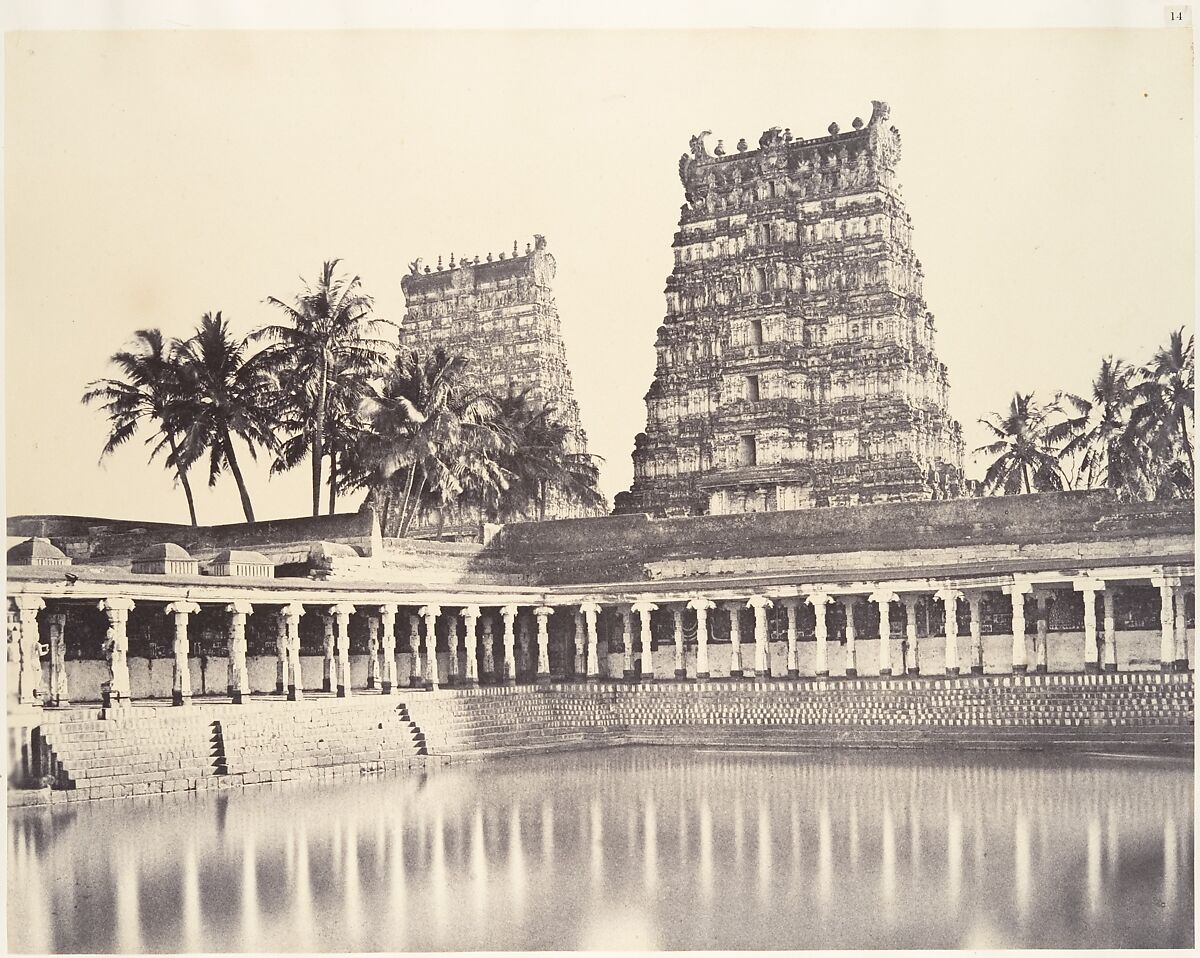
pixel 29 684
pixel 453 672
pixel 509 671
pixel 295 685
pixel 372 650
pixel 1091 650
pixel 543 613
pixel 1166 621
pixel 328 666
pixel 470 616
pixel 343 611
pixel 819 601
pixel 851 635
pixel 975 602
pixel 1110 630
pixel 57 622
pixel 949 599
pixel 281 654
pixel 1041 651
pixel 590 610
pixel 627 643
pixel 387 618
pixel 1181 653
pixel 430 613
pixel 793 657
pixel 1020 653
pixel 579 658
pixel 643 608
pixel 181 677
pixel 489 653
pixel 735 641
pixel 883 599
pixel 238 610
pixel 913 664
pixel 680 668
pixel 523 645
pixel 416 674
pixel 762 663
pixel 116 645
pixel 701 606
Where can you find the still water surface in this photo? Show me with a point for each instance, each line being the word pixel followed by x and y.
pixel 648 848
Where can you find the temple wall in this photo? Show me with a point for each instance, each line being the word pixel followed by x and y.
pixel 636 547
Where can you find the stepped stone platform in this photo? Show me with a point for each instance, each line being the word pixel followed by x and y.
pixel 1135 712
pixel 148 750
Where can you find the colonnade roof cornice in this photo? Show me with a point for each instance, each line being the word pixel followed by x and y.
pixel 803 583
pixel 52 584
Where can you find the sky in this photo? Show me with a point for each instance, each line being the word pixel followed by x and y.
pixel 153 176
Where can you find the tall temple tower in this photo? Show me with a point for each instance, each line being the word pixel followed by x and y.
pixel 501 315
pixel 796 364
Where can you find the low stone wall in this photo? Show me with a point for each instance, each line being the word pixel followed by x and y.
pixel 116 541
pixel 630 547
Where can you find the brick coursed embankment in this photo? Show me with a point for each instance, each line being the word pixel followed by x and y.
pixel 162 750
pixel 1123 711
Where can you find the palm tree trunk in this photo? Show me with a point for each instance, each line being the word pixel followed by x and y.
pixel 183 479
pixel 247 508
pixel 1187 444
pixel 333 479
pixel 408 486
pixel 1025 477
pixel 317 440
pixel 406 520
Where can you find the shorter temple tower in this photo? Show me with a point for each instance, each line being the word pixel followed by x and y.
pixel 500 314
pixel 796 363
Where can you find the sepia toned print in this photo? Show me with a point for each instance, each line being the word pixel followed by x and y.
pixel 340 618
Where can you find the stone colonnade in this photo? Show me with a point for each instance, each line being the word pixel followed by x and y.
pixel 523 651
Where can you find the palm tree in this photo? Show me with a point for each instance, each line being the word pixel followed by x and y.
pixel 1025 458
pixel 1099 436
pixel 1165 403
pixel 225 394
pixel 536 460
pixel 332 342
pixel 149 393
pixel 430 439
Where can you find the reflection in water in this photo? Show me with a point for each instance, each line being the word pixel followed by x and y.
pixel 1021 862
pixel 129 932
pixel 953 850
pixel 638 847
pixel 250 925
pixel 597 845
pixel 1170 867
pixel 1093 862
pixel 650 845
pixel 824 852
pixel 887 853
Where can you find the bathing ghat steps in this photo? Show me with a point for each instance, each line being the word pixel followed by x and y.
pixel 161 749
pixel 166 750
pixel 1130 711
